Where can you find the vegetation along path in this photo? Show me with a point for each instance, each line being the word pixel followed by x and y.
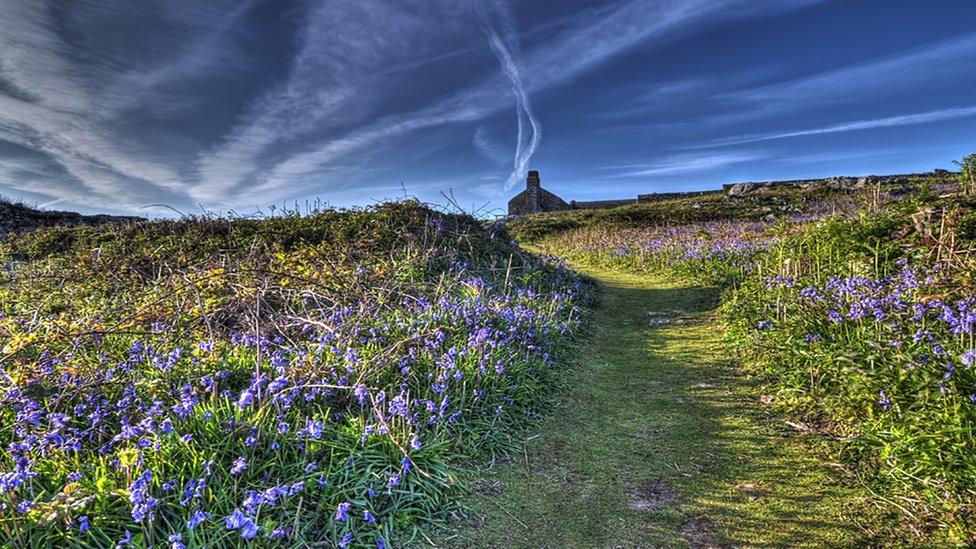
pixel 659 442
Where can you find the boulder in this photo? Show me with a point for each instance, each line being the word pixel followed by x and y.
pixel 742 189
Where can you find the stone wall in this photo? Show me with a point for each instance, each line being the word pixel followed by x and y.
pixel 841 183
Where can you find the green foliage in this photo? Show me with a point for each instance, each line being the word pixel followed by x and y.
pixel 267 373
pixel 968 176
pixel 857 314
pixel 862 329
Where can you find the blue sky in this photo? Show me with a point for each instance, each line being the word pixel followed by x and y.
pixel 113 105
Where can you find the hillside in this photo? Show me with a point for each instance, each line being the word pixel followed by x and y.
pixel 293 379
pixel 349 376
pixel 853 310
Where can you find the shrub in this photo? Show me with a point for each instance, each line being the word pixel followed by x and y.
pixel 291 379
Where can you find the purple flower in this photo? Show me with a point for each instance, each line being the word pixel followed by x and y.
pixel 398 406
pixel 360 393
pixel 884 401
pixel 83 523
pixel 75 476
pixel 342 512
pixel 313 430
pixel 239 466
pixel 142 503
pixel 250 530
pixel 368 517
pixel 239 521
pixel 346 540
pixel 196 519
pixel 968 357
pixel 176 542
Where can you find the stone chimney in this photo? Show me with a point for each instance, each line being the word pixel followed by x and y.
pixel 532 186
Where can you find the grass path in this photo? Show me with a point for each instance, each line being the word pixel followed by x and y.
pixel 658 442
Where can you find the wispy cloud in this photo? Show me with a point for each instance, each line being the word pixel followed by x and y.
pixel 905 71
pixel 581 43
pixel 70 108
pixel 886 122
pixel 529 129
pixel 86 96
pixel 681 164
pixel 488 148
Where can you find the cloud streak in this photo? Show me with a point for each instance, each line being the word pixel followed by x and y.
pixel 681 164
pixel 173 103
pixel 859 125
pixel 529 129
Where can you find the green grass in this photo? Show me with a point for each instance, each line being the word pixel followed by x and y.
pixel 658 441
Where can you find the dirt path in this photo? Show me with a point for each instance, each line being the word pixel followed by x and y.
pixel 658 442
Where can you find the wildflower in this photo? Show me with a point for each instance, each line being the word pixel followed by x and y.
pixel 176 542
pixel 313 429
pixel 342 512
pixel 125 541
pixel 968 357
pixel 142 503
pixel 239 466
pixel 884 401
pixel 415 443
pixel 197 518
pixel 346 540
pixel 764 325
pixel 250 530
pixel 75 476
pixel 239 521
pixel 368 517
pixel 398 406
pixel 394 479
pixel 405 465
pixel 360 393
pixel 83 523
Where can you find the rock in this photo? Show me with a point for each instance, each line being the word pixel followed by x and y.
pixel 742 189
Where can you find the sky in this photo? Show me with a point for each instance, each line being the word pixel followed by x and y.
pixel 152 108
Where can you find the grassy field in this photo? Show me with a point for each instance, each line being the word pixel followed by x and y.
pixel 659 441
pixel 856 313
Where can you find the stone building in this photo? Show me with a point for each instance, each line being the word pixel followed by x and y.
pixel 535 199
